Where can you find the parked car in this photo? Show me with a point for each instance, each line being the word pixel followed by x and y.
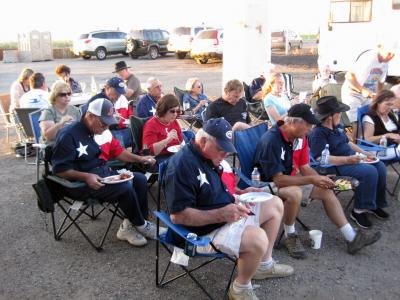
pixel 100 43
pixel 207 44
pixel 147 41
pixel 278 39
pixel 180 40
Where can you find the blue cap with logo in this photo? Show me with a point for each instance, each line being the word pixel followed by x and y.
pixel 118 84
pixel 104 109
pixel 222 131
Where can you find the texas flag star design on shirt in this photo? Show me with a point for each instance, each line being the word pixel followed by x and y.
pixel 202 178
pixel 153 110
pixel 82 149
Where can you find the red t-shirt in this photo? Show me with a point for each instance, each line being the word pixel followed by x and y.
pixel 124 109
pixel 109 145
pixel 301 155
pixel 155 131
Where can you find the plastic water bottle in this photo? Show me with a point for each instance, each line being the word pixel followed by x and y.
pixel 93 86
pixel 186 105
pixel 255 177
pixel 325 155
pixel 383 143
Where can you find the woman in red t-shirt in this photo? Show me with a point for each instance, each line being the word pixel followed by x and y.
pixel 163 130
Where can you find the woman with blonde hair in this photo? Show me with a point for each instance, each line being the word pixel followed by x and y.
pixel 276 102
pixel 20 87
pixel 60 113
pixel 195 97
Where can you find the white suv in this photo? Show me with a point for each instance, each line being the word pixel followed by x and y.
pixel 180 40
pixel 100 43
pixel 207 44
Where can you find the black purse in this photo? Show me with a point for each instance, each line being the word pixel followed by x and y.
pixel 45 198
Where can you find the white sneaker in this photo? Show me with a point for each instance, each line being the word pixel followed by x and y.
pixel 149 230
pixel 127 232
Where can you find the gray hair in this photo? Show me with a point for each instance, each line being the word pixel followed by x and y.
pixel 202 134
pixel 150 81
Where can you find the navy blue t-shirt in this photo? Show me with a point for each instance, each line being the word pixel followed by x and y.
pixel 274 154
pixel 75 149
pixel 146 106
pixel 193 181
pixel 336 138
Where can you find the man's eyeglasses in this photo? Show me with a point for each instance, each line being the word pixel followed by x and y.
pixel 64 94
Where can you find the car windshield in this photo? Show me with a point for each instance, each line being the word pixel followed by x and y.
pixel 206 34
pixel 181 31
pixel 83 36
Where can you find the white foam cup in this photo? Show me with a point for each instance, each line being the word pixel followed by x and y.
pixel 316 237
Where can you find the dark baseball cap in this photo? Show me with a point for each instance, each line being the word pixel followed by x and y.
pixel 104 109
pixel 303 111
pixel 222 131
pixel 118 84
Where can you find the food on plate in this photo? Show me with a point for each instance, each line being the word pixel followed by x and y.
pixel 124 176
pixel 342 184
pixel 367 159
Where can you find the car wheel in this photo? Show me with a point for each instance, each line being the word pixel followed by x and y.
pixel 101 53
pixel 153 52
pixel 131 45
pixel 203 60
pixel 180 55
pixel 86 57
pixel 300 45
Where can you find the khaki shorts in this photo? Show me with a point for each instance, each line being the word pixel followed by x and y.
pixel 228 238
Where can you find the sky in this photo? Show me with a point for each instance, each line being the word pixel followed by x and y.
pixel 68 19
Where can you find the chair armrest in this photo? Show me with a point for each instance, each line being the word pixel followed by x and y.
pixel 66 183
pixel 181 230
pixel 249 182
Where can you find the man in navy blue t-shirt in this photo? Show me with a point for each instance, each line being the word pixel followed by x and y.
pixel 281 153
pixel 197 198
pixel 80 153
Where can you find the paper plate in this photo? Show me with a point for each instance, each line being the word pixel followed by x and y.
pixel 174 149
pixel 369 162
pixel 114 179
pixel 255 197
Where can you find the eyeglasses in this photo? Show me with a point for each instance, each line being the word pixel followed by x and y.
pixel 64 94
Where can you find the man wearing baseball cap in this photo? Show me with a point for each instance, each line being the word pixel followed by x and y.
pixel 197 197
pixel 81 152
pixel 281 153
pixel 114 90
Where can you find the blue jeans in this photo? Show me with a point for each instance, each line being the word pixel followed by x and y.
pixel 371 193
pixel 124 136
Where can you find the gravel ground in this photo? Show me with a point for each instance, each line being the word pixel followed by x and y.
pixel 35 266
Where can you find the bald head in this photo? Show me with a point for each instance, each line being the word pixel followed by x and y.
pixel 396 90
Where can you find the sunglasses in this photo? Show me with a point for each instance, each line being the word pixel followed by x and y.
pixel 64 94
pixel 174 111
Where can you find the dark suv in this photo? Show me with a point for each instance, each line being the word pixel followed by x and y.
pixel 147 41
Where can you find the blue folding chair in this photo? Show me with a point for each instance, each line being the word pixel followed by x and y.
pixel 168 242
pixel 368 146
pixel 39 147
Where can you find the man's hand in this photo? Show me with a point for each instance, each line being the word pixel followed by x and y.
pixel 147 160
pixel 353 159
pixel 93 181
pixel 66 119
pixel 323 182
pixel 233 212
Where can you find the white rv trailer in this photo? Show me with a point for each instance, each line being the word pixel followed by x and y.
pixel 354 26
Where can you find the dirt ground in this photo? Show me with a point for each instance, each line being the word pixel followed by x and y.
pixel 35 266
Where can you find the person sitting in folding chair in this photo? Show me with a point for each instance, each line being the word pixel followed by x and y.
pixel 80 153
pixel 198 199
pixel 281 152
pixel 370 195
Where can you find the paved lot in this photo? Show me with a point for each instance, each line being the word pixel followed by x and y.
pixel 35 266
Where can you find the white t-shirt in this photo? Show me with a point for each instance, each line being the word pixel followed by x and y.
pixel 369 71
pixel 36 98
pixel 389 125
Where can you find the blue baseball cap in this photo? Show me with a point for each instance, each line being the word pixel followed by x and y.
pixel 104 109
pixel 118 84
pixel 222 131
